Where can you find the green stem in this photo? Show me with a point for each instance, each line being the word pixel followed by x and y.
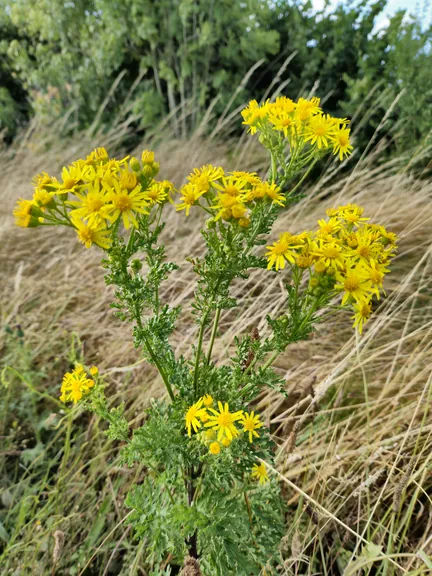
pixel 198 352
pixel 131 239
pixel 153 356
pixel 302 179
pixel 273 168
pixel 213 334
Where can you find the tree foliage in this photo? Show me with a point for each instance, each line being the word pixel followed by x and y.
pixel 179 57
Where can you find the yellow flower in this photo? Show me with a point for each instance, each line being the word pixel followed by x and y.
pixel 95 234
pixel 263 189
pixel 376 273
pixel 251 422
pixel 284 104
pixel 214 448
pixel 97 156
pixel 226 442
pixel 93 206
pixel 202 177
pixel 189 197
pixel 207 400
pixel 282 250
pixel 23 214
pixel 330 253
pixel 127 203
pixel 363 310
pixel 307 108
pixel 260 473
pixel 319 130
pixel 352 213
pixel 231 186
pixel 75 384
pixel 253 114
pixel 248 177
pixel 94 370
pixel 43 198
pixel 283 122
pixel 44 181
pixel 356 284
pixel 223 421
pixel 72 177
pixel 328 228
pixel 157 193
pixel 193 416
pixel 224 203
pixel 128 180
pixel 341 142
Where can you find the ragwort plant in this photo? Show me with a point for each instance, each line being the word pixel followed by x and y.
pixel 208 494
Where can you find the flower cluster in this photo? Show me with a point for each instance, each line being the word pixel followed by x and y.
pixel 94 195
pixel 346 249
pixel 221 423
pixel 300 123
pixel 228 196
pixel 77 384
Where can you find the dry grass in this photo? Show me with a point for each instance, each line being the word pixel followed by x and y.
pixel 354 436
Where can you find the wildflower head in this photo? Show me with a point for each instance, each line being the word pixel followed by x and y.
pixel 223 421
pixel 251 423
pixel 94 371
pixel 75 385
pixel 259 471
pixel 92 234
pixel 214 448
pixel 194 416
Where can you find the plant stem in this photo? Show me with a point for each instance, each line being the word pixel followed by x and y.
pixel 198 352
pixel 305 175
pixel 273 168
pixel 213 334
pixel 153 356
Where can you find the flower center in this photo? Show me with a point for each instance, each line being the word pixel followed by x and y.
pixel 363 251
pixel 232 191
pixel 123 202
pixel 249 425
pixel 331 252
pixel 351 284
pixel 280 248
pixel 95 204
pixel 225 419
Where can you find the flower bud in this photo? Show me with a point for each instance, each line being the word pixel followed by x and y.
pixel 147 171
pixel 136 265
pixel 226 214
pixel 147 157
pixel 314 282
pixel 211 223
pixel 135 165
pixel 244 222
pixel 331 271
pixel 155 166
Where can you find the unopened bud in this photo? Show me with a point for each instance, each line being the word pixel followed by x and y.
pixel 211 223
pixel 135 165
pixel 147 157
pixel 244 222
pixel 136 265
pixel 155 166
pixel 147 171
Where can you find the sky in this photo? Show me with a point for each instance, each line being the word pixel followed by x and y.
pixel 392 6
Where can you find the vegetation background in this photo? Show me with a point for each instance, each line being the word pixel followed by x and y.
pixel 354 436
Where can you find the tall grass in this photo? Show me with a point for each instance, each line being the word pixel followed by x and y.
pixel 354 434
